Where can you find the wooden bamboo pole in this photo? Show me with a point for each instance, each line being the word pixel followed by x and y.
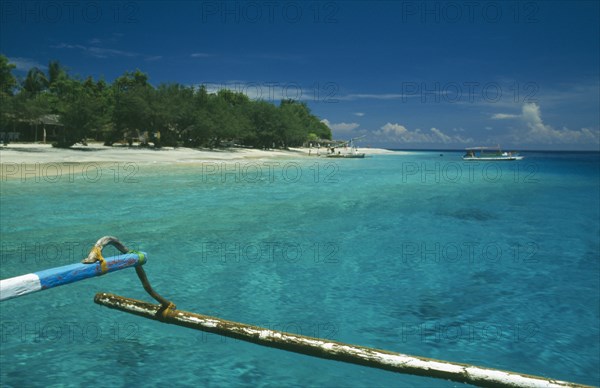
pixel 54 277
pixel 332 350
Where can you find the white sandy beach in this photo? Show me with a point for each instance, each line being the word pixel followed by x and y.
pixel 33 153
pixel 30 153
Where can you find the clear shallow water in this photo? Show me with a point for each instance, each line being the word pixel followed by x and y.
pixel 495 264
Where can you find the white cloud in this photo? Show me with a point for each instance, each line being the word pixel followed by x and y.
pixel 24 64
pixel 504 116
pixel 345 130
pixel 406 93
pixel 201 55
pixel 532 116
pixel 536 131
pixel 395 129
pixel 399 133
pixel 441 135
pixel 396 133
pixel 68 46
pixel 359 114
pixel 542 133
pixel 101 52
pixel 384 96
pixel 462 140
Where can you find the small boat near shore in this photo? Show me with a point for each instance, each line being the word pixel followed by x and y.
pixel 490 154
pixel 352 153
pixel 357 155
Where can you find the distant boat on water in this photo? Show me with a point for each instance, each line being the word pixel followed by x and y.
pixel 490 153
pixel 353 153
pixel 346 156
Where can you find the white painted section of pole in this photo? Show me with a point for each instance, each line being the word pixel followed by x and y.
pixel 20 285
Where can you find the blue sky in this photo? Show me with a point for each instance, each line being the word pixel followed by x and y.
pixel 408 74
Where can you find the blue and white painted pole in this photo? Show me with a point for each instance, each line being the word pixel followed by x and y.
pixel 54 277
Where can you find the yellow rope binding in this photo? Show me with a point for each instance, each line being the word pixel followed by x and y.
pixel 167 311
pixel 98 253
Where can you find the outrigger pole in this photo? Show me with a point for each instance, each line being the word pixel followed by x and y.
pixel 93 265
pixel 96 265
pixel 54 277
pixel 332 350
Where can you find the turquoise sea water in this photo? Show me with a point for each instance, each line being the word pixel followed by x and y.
pixel 495 264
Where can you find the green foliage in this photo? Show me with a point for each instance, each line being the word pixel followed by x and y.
pixel 36 81
pixel 312 137
pixel 167 115
pixel 81 111
pixel 8 82
pixel 55 72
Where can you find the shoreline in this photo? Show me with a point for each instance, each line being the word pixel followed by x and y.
pixel 29 153
pixel 23 155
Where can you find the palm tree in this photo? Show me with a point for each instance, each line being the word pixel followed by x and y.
pixel 7 81
pixel 55 71
pixel 35 81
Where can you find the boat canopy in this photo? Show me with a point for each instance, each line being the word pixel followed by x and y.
pixel 482 148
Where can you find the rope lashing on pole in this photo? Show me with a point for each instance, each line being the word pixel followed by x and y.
pixel 95 254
